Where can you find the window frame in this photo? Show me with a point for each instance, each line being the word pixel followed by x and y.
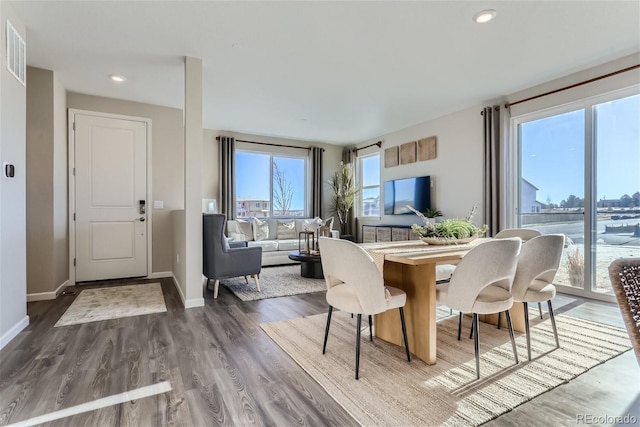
pixel 362 188
pixel 277 152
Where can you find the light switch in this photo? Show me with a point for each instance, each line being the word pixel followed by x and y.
pixel 158 204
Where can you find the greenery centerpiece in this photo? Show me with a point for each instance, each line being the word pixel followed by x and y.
pixel 342 185
pixel 449 231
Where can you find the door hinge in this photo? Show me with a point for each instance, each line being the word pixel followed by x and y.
pixel 74 125
pixel 74 216
pixel 74 171
pixel 74 262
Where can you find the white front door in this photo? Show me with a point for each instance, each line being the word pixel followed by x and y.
pixel 110 157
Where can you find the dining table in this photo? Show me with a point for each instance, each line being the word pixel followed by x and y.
pixel 411 266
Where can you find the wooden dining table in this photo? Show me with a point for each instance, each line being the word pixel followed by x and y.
pixel 411 266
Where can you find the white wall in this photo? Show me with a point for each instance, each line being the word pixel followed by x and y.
pixel 456 172
pixel 13 280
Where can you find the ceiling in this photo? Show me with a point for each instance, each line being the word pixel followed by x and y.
pixel 337 72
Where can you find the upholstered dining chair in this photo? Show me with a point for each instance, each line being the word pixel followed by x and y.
pixel 481 284
pixel 355 285
pixel 525 234
pixel 222 259
pixel 537 266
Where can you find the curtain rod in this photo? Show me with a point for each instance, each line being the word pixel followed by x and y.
pixel 270 144
pixel 379 144
pixel 509 104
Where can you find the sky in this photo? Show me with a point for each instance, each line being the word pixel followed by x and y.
pixel 553 152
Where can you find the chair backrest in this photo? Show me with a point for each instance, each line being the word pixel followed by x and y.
pixel 538 261
pixel 490 263
pixel 213 241
pixel 346 262
pixel 523 233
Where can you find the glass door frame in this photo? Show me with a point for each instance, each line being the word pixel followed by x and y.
pixel 513 168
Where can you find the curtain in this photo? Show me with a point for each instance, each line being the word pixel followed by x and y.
pixel 316 181
pixel 227 176
pixel 349 156
pixel 492 189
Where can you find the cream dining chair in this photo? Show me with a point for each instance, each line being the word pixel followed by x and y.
pixel 481 284
pixel 537 266
pixel 355 285
pixel 525 234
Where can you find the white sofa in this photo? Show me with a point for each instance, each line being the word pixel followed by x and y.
pixel 275 250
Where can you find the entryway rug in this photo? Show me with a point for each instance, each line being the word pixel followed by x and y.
pixel 394 392
pixel 92 305
pixel 275 281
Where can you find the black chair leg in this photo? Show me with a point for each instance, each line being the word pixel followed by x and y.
pixel 526 329
pixel 459 325
pixel 476 344
pixel 553 323
pixel 471 331
pixel 370 328
pixel 326 330
pixel 513 339
pixel 359 324
pixel 499 319
pixel 540 310
pixel 404 333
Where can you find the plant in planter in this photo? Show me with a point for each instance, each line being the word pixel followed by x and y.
pixel 344 195
pixel 432 214
pixel 449 231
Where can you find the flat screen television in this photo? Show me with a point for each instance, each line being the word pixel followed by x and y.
pixel 399 193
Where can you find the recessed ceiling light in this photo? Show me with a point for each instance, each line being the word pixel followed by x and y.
pixel 484 16
pixel 117 78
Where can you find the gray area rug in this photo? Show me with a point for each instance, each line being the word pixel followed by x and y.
pixel 275 281
pixel 394 392
pixel 92 305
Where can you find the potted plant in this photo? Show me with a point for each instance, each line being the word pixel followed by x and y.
pixel 449 231
pixel 344 194
pixel 432 214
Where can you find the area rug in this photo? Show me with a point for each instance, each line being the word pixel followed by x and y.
pixel 92 305
pixel 394 392
pixel 275 281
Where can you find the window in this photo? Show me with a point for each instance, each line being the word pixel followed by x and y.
pixel 270 185
pixel 370 185
pixel 578 169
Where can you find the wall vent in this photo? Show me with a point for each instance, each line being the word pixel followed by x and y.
pixel 16 55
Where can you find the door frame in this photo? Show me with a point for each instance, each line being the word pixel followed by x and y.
pixel 513 168
pixel 72 112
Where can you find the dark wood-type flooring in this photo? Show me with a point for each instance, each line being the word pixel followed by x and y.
pixel 224 370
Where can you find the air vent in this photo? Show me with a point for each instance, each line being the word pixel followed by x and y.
pixel 16 54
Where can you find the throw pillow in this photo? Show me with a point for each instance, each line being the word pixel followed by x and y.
pixel 245 228
pixel 260 230
pixel 317 222
pixel 226 243
pixel 286 230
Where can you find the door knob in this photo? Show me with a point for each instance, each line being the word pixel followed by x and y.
pixel 141 219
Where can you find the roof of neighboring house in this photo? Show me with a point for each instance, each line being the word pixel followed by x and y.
pixel 527 182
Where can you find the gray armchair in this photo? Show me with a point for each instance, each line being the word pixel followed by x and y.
pixel 223 259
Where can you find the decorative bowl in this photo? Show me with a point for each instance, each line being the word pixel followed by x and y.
pixel 443 241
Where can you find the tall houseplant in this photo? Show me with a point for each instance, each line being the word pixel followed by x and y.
pixel 344 194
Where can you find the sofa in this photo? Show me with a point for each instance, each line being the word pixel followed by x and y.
pixel 276 237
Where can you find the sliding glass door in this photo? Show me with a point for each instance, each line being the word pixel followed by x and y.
pixel 578 175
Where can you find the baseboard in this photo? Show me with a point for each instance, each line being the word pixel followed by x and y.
pixel 14 331
pixel 187 303
pixel 43 296
pixel 160 275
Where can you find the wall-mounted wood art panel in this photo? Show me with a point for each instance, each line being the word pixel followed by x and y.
pixel 391 157
pixel 427 148
pixel 408 153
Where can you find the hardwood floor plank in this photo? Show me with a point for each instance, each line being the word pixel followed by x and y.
pixel 224 370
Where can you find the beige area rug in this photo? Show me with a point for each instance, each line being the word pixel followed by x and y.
pixel 92 305
pixel 275 281
pixel 394 392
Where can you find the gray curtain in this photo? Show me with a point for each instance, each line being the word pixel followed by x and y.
pixel 492 189
pixel 316 181
pixel 349 156
pixel 227 176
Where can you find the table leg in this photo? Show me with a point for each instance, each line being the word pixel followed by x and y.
pixel 419 282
